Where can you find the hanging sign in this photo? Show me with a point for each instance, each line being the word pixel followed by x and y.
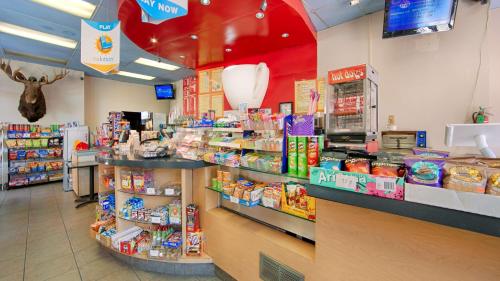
pixel 100 45
pixel 158 11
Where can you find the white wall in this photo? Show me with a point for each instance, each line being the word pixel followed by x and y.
pixel 426 81
pixel 64 98
pixel 103 96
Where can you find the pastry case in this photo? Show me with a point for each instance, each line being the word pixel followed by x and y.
pixel 352 105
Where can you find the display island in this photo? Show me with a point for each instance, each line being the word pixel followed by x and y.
pixel 336 228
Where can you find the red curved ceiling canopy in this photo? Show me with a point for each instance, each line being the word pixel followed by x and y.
pixel 222 24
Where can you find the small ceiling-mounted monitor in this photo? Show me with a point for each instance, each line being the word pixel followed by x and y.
pixel 409 17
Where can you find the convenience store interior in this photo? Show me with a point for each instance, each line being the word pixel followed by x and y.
pixel 209 140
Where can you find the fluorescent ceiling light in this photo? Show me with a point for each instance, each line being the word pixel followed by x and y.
pixel 36 35
pixel 135 75
pixel 78 8
pixel 156 64
pixel 31 57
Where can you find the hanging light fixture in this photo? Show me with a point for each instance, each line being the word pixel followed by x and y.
pixel 205 2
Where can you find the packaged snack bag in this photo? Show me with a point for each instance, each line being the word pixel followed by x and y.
pixel 429 153
pixel 465 177
pixel 424 171
pixel 138 181
pixel 292 155
pixel 493 185
pixel 381 168
pixel 313 150
pixel 357 165
pixel 126 178
pixel 302 168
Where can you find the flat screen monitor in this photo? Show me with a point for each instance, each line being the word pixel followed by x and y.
pixel 165 92
pixel 408 17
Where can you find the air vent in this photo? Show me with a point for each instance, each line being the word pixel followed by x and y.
pixel 271 270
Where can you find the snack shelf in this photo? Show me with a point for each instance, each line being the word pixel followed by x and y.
pixel 35 183
pixel 182 259
pixel 283 177
pixel 229 130
pixel 263 150
pixel 225 144
pixel 260 205
pixel 277 219
pixel 146 194
pixel 148 222
pixel 34 148
pixel 37 160
pixel 35 138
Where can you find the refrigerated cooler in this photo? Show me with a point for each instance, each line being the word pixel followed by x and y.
pixel 72 137
pixel 352 105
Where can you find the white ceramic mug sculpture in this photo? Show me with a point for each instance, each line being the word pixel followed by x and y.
pixel 245 83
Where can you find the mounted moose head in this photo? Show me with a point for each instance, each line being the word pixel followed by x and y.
pixel 32 102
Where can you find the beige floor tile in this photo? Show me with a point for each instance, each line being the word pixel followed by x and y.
pixel 50 230
pixel 16 276
pixel 90 254
pixel 39 255
pixel 12 250
pixel 44 242
pixel 72 275
pixel 100 268
pixel 11 266
pixel 50 269
pixel 122 275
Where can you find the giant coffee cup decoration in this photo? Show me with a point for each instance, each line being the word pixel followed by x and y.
pixel 245 83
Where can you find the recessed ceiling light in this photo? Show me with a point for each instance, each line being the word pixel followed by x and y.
pixel 37 35
pixel 285 35
pixel 205 2
pixel 182 56
pixel 354 2
pixel 228 50
pixel 135 75
pixel 194 36
pixel 78 8
pixel 153 40
pixel 260 15
pixel 156 64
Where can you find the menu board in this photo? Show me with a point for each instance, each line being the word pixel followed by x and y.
pixel 211 92
pixel 204 81
pixel 216 80
pixel 190 96
pixel 204 103
pixel 416 14
pixel 303 95
pixel 217 104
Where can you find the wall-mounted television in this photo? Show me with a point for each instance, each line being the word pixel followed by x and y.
pixel 165 92
pixel 409 17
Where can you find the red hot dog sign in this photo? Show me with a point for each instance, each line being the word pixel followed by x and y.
pixel 347 74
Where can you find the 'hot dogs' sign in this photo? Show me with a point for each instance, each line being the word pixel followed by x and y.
pixel 347 74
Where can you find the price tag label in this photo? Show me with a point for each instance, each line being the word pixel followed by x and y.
pixel 234 200
pixel 155 220
pixel 169 192
pixel 151 191
pixel 386 184
pixel 347 182
pixel 154 253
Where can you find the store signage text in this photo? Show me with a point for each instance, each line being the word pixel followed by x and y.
pixel 157 11
pixel 100 45
pixel 347 74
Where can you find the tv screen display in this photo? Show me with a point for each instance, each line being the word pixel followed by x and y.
pixel 408 17
pixel 165 92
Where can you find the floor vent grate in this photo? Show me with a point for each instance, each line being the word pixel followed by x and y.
pixel 271 270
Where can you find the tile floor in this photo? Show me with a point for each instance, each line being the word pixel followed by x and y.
pixel 43 237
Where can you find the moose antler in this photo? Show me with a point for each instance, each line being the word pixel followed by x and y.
pixel 45 79
pixel 16 75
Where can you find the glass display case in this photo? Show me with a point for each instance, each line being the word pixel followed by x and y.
pixel 352 105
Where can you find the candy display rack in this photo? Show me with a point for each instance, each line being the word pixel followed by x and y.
pixel 172 182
